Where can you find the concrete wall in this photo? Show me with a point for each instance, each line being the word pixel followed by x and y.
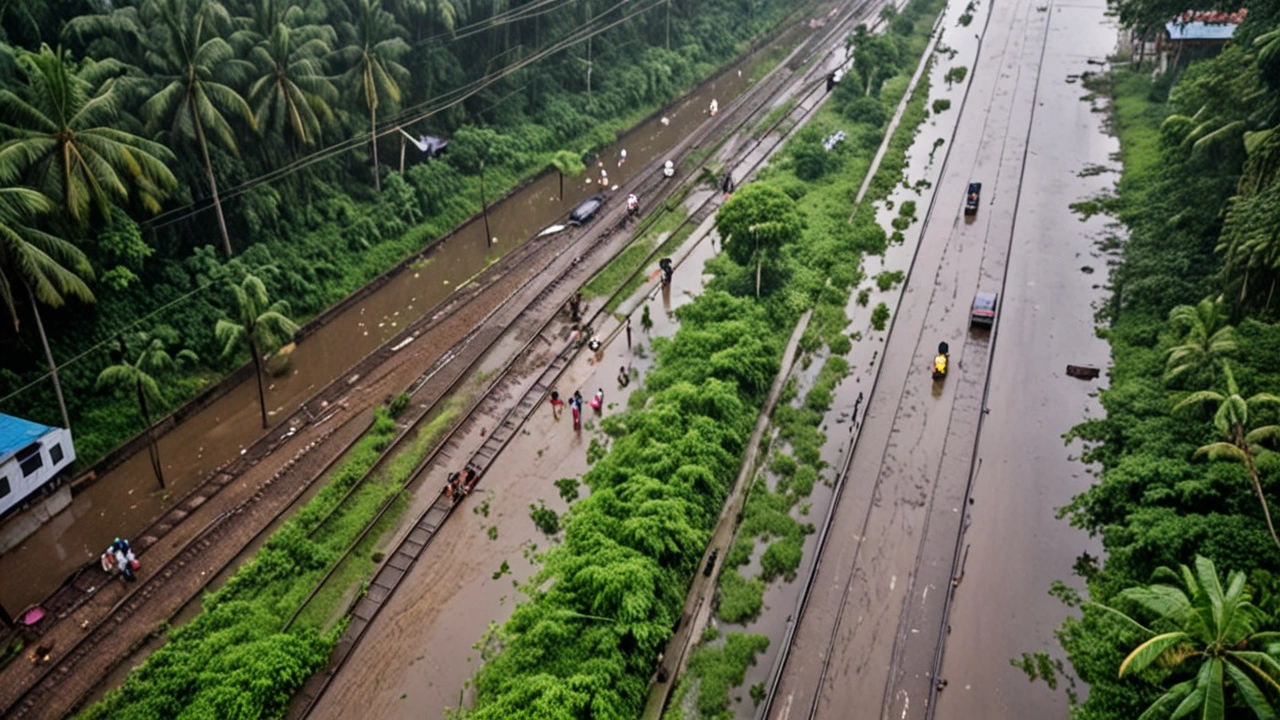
pixel 15 529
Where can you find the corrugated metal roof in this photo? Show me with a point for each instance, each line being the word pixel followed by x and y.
pixel 16 433
pixel 1200 31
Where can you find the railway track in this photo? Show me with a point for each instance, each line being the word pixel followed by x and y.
pixel 82 586
pixel 531 394
pixel 765 708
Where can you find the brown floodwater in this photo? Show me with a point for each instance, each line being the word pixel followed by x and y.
pixel 416 659
pixel 870 633
pixel 922 172
pixel 127 499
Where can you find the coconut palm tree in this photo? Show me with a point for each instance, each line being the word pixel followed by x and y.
pixel 291 92
pixel 138 377
pixel 374 43
pixel 1216 628
pixel 47 267
pixel 1240 443
pixel 197 71
pixel 1207 339
pixel 260 325
pixel 63 139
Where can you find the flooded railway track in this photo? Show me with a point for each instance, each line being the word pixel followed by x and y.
pixel 409 549
pixel 70 678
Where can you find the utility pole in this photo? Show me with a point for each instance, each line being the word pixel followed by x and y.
pixel 668 24
pixel 484 208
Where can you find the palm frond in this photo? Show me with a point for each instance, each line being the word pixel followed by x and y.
pixel 1151 650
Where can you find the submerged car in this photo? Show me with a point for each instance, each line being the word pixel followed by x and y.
pixel 586 209
pixel 984 309
pixel 971 200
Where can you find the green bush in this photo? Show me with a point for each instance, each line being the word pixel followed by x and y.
pixel 717 670
pixel 880 316
pixel 233 660
pixel 740 599
pixel 545 518
pixel 782 557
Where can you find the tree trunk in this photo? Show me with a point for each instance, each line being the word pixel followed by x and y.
pixel 1257 486
pixel 48 356
pixel 257 372
pixel 402 154
pixel 213 182
pixel 759 263
pixel 377 181
pixel 153 448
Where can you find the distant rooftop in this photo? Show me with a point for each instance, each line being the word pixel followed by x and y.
pixel 16 433
pixel 1205 25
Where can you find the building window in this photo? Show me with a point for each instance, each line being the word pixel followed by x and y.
pixel 55 453
pixel 29 459
pixel 4 485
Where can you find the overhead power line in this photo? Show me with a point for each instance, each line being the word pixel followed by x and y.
pixel 429 108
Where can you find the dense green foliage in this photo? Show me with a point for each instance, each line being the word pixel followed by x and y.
pixel 232 660
pixel 713 671
pixel 604 604
pixel 237 659
pixel 257 116
pixel 1158 503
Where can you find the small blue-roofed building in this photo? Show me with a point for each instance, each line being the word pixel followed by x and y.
pixel 31 456
pixel 1196 34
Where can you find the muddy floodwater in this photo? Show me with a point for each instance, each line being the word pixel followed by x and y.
pixel 870 633
pixel 955 48
pixel 127 499
pixel 417 658
pixel 1015 547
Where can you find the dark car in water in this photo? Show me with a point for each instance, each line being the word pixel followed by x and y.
pixel 984 309
pixel 971 200
pixel 586 209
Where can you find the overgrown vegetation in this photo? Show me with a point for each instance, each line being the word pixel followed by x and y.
pixel 606 599
pixel 1193 333
pixel 313 235
pixel 604 603
pixel 235 659
pixel 714 671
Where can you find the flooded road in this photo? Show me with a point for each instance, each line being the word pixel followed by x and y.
pixel 127 499
pixel 1054 283
pixel 869 635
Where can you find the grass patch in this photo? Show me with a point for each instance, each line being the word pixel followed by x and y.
pixel 774 116
pixel 714 671
pixel 668 246
pixel 740 599
pixel 619 272
pixel 880 316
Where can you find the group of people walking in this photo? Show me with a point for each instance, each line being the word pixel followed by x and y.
pixel 119 558
pixel 575 405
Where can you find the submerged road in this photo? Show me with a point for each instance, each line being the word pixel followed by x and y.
pixel 1056 277
pixel 866 643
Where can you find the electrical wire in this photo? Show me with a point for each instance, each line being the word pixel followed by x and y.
pixel 565 43
pixel 433 106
